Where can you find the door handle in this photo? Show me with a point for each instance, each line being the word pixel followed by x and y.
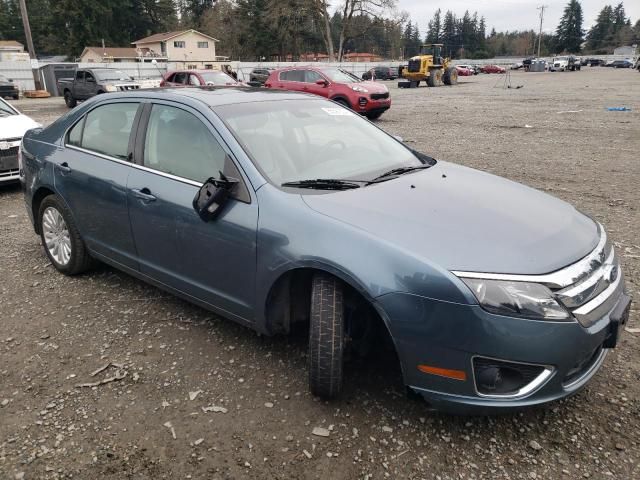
pixel 64 167
pixel 143 194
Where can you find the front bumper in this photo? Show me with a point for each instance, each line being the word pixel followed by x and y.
pixel 449 335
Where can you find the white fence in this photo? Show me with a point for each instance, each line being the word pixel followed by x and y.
pixel 20 72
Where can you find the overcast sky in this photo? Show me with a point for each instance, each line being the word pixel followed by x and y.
pixel 512 14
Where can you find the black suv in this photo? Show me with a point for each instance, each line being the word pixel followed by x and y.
pixel 8 88
pixel 381 73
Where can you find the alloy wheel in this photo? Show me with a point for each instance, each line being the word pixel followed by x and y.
pixel 56 236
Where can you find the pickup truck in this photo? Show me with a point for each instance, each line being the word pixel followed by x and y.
pixel 87 83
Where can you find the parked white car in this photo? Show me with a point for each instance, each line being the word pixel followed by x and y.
pixel 559 64
pixel 13 125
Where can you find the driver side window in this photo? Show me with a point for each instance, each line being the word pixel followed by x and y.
pixel 178 143
pixel 312 77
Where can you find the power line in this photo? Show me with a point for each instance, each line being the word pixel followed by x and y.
pixel 541 8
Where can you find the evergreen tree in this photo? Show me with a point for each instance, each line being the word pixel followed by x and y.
pixel 434 29
pixel 569 33
pixel 449 33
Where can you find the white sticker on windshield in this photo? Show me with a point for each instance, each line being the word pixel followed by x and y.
pixel 338 112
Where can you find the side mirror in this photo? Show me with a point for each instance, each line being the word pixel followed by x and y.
pixel 321 82
pixel 213 196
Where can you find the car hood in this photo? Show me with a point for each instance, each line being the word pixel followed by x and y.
pixel 374 87
pixel 15 126
pixel 464 219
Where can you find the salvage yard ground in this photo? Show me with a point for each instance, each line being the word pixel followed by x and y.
pixel 185 394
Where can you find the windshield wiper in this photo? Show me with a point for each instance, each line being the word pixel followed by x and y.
pixel 322 184
pixel 399 171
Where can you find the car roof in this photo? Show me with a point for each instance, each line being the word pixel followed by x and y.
pixel 215 96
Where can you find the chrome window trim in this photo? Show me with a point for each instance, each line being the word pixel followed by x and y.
pixel 560 278
pixel 134 165
pixel 525 391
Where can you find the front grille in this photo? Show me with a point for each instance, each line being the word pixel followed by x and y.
pixel 595 289
pixel 379 96
pixel 9 159
pixel 128 87
pixel 414 66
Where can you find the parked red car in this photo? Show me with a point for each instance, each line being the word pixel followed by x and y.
pixel 197 78
pixel 463 71
pixel 492 69
pixel 367 98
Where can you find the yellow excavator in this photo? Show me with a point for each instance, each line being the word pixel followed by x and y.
pixel 429 67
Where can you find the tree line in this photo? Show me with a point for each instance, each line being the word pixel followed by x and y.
pixel 293 29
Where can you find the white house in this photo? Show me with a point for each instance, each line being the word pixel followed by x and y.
pixel 189 49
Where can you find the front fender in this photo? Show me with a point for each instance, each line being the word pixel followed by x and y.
pixel 292 236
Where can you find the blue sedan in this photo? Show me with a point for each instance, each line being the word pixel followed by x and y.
pixel 275 209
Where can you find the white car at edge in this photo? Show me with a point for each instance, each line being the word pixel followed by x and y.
pixel 13 125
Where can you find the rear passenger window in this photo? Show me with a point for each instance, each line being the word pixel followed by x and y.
pixel 178 143
pixel 107 129
pixel 180 77
pixel 292 76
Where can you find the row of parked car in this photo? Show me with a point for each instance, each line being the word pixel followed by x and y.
pixel 365 97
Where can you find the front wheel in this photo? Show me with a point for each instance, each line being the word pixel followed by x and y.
pixel 374 116
pixel 60 237
pixel 326 336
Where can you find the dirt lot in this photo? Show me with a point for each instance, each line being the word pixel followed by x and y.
pixel 554 134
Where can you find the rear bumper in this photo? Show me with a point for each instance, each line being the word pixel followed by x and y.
pixel 449 336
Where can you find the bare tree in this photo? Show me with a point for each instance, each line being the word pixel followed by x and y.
pixel 348 10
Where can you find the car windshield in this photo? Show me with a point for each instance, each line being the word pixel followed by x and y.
pixel 217 78
pixel 5 109
pixel 340 76
pixel 297 140
pixel 108 75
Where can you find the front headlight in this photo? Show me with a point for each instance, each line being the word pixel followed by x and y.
pixel 517 299
pixel 358 88
pixel 111 88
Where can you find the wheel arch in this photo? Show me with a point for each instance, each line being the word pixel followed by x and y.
pixel 36 200
pixel 342 97
pixel 294 284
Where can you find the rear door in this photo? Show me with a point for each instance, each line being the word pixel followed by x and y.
pixel 292 80
pixel 91 176
pixel 214 262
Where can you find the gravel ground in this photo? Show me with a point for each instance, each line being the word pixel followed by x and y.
pixel 197 396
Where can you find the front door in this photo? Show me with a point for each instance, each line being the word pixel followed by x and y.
pixel 214 262
pixel 92 175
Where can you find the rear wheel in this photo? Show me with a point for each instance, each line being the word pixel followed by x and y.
pixel 60 237
pixel 69 100
pixel 326 336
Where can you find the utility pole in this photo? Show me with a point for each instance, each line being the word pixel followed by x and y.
pixel 541 8
pixel 32 51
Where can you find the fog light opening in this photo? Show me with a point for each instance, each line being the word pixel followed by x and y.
pixel 498 378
